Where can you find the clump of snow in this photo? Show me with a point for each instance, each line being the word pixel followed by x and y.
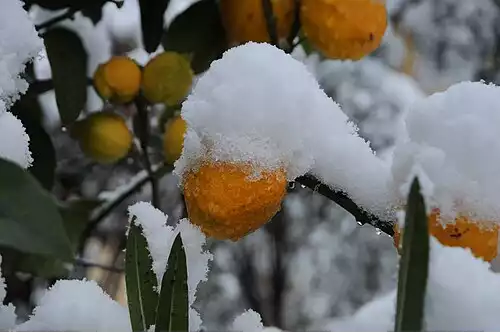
pixel 461 296
pixel 77 305
pixel 452 142
pixel 249 321
pixel 261 106
pixel 14 142
pixel 160 238
pixel 19 43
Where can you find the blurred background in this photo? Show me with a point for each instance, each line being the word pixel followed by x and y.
pixel 312 262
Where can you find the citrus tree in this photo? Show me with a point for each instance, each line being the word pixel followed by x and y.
pixel 230 185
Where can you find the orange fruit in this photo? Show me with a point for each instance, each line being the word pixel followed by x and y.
pixel 481 239
pixel 230 200
pixel 344 29
pixel 118 80
pixel 244 20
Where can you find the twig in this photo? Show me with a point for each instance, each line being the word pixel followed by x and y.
pixel 295 28
pixel 108 207
pixel 343 200
pixel 83 263
pixel 69 14
pixel 143 133
pixel 267 6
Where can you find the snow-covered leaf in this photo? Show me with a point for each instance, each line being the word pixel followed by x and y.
pixel 140 280
pixel 173 306
pixel 414 265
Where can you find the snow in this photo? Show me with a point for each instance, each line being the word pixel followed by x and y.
pixel 259 105
pixel 14 142
pixel 160 238
pixel 19 43
pixel 461 296
pixel 249 321
pixel 77 305
pixel 452 142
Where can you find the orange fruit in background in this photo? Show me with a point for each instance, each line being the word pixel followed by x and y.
pixel 481 239
pixel 244 20
pixel 230 200
pixel 344 29
pixel 173 138
pixel 118 80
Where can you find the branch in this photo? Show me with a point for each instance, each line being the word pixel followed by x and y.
pixel 69 14
pixel 295 28
pixel 267 6
pixel 104 210
pixel 143 133
pixel 83 263
pixel 342 199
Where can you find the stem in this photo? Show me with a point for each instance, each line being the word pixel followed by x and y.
pixel 68 14
pixel 109 207
pixel 267 6
pixel 144 132
pixel 343 200
pixel 81 262
pixel 295 28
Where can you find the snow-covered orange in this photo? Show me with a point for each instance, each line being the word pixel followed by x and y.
pixel 230 200
pixel 344 29
pixel 480 237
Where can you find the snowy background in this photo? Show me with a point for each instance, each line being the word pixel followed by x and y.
pixel 312 262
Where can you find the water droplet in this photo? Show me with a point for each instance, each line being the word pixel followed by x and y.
pixel 302 186
pixel 291 185
pixel 64 129
pixel 360 223
pixel 378 231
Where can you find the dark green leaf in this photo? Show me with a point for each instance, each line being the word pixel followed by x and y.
pixel 44 156
pixel 68 62
pixel 29 220
pixel 140 281
pixel 93 13
pixel 75 217
pixel 197 31
pixel 152 12
pixel 60 4
pixel 414 265
pixel 173 306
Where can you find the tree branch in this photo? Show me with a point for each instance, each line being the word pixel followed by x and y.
pixel 143 133
pixel 342 199
pixel 267 6
pixel 68 14
pixel 295 28
pixel 83 263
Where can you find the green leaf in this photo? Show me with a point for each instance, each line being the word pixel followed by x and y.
pixel 68 62
pixel 173 306
pixel 140 281
pixel 29 220
pixel 75 217
pixel 414 265
pixel 152 13
pixel 44 155
pixel 197 31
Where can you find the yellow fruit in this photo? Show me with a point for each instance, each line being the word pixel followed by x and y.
pixel 244 20
pixel 481 240
pixel 118 80
pixel 104 137
pixel 229 200
pixel 167 79
pixel 173 139
pixel 344 29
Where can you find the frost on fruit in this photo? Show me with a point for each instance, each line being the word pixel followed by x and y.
pixel 453 139
pixel 259 106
